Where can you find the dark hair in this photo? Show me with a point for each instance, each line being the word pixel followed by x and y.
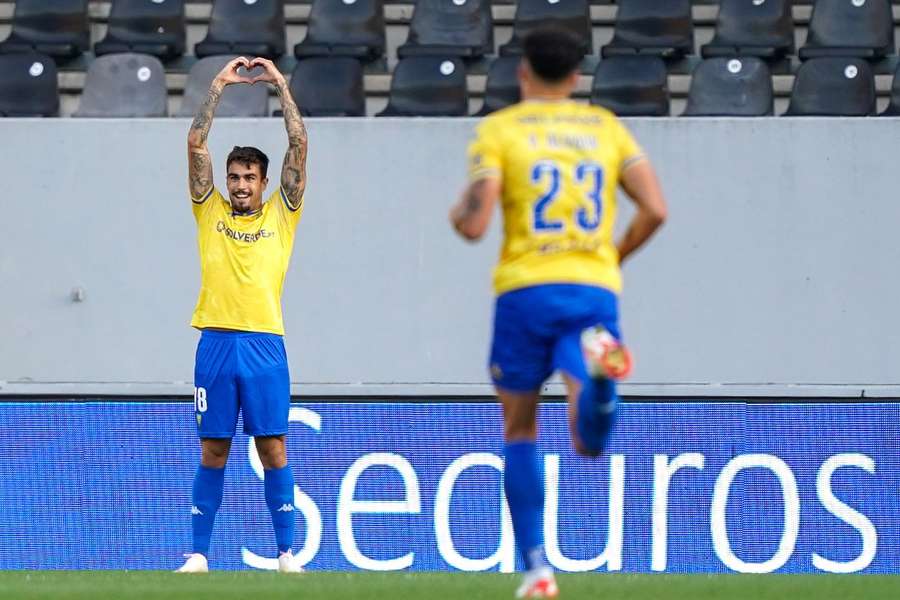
pixel 552 53
pixel 247 156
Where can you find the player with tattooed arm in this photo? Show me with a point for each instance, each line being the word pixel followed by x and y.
pixel 245 246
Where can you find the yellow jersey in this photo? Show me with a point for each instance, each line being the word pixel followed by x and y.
pixel 243 261
pixel 559 163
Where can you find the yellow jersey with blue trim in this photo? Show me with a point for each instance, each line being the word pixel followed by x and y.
pixel 243 261
pixel 559 163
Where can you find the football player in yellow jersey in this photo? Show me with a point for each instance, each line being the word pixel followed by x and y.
pixel 555 165
pixel 245 246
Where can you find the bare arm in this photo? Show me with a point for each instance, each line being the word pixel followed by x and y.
pixel 200 174
pixel 471 216
pixel 640 183
pixel 293 169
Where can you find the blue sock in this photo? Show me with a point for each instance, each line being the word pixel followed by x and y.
pixel 523 482
pixel 279 485
pixel 206 498
pixel 596 412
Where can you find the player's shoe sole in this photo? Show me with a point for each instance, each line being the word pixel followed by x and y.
pixel 604 355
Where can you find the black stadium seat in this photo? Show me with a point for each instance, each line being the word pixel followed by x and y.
pixel 462 28
pixel 57 28
pixel 572 15
pixel 237 100
pixel 344 29
pixel 254 28
pixel 753 28
pixel 833 86
pixel 329 87
pixel 660 27
pixel 863 28
pixel 502 86
pixel 156 28
pixel 28 86
pixel 124 85
pixel 731 87
pixel 893 109
pixel 425 86
pixel 632 86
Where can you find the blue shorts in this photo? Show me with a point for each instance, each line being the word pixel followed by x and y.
pixel 537 330
pixel 238 371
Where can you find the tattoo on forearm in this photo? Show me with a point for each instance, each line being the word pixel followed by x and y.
pixel 293 172
pixel 200 172
pixel 203 119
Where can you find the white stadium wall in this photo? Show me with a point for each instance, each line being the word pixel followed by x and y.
pixel 776 274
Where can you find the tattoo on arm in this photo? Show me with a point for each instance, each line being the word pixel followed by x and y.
pixel 200 174
pixel 473 201
pixel 293 171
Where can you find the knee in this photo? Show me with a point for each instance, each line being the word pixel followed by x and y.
pixel 272 452
pixel 214 454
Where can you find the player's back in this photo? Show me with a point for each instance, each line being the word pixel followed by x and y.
pixel 560 163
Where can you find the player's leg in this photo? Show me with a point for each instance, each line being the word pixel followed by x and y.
pixel 215 412
pixel 589 356
pixel 520 362
pixel 265 392
pixel 279 491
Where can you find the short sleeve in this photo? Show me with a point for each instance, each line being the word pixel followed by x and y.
pixel 204 205
pixel 630 151
pixel 485 157
pixel 287 216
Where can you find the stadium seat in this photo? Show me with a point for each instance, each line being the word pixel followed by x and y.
pixel 753 28
pixel 502 87
pixel 344 29
pixel 731 87
pixel 833 86
pixel 893 109
pixel 28 86
pixel 248 27
pixel 329 87
pixel 156 28
pixel 662 28
pixel 425 86
pixel 573 15
pixel 632 86
pixel 124 85
pixel 462 28
pixel 57 28
pixel 239 100
pixel 862 28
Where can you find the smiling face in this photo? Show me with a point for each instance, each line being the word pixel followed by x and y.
pixel 245 186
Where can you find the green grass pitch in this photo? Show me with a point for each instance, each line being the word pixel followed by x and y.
pixel 123 585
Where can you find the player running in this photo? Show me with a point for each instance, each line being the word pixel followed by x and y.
pixel 241 366
pixel 555 165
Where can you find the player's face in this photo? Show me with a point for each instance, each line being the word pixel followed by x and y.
pixel 245 187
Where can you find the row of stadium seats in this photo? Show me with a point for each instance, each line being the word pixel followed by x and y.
pixel 134 85
pixel 452 28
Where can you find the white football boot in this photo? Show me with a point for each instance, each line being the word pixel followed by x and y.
pixel 287 563
pixel 538 583
pixel 195 563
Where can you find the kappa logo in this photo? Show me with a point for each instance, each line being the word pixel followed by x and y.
pixel 196 511
pixel 286 508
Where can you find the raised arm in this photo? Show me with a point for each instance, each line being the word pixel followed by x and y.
pixel 200 173
pixel 293 169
